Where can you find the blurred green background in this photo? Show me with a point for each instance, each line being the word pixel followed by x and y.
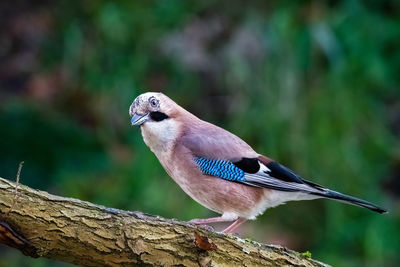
pixel 313 84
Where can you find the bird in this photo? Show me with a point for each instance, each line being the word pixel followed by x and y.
pixel 217 168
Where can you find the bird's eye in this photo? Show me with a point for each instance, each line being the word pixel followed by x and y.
pixel 153 102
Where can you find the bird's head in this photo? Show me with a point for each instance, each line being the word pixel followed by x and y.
pixel 159 118
pixel 151 107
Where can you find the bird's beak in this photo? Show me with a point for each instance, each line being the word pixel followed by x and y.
pixel 139 119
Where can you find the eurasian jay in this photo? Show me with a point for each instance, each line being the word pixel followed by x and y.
pixel 218 169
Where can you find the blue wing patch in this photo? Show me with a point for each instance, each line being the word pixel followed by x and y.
pixel 220 168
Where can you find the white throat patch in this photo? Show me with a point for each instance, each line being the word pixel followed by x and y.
pixel 160 136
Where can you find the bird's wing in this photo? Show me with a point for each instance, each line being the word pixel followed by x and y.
pixel 254 172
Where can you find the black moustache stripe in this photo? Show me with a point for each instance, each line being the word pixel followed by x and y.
pixel 158 116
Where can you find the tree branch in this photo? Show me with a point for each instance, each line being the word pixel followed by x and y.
pixel 71 230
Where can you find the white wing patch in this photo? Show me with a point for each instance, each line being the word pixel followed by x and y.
pixel 263 168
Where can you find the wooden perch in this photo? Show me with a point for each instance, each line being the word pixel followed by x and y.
pixel 43 225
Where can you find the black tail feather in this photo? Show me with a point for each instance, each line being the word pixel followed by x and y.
pixel 350 200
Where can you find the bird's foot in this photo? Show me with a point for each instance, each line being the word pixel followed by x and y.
pixel 198 221
pixel 207 227
pixel 231 228
pixel 210 220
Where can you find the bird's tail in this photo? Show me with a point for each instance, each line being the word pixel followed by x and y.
pixel 350 200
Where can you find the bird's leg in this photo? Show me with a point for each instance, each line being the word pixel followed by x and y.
pixel 234 225
pixel 211 220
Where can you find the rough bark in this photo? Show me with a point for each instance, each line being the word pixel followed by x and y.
pixel 43 225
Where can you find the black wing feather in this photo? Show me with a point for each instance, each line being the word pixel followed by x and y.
pixel 248 165
pixel 283 173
